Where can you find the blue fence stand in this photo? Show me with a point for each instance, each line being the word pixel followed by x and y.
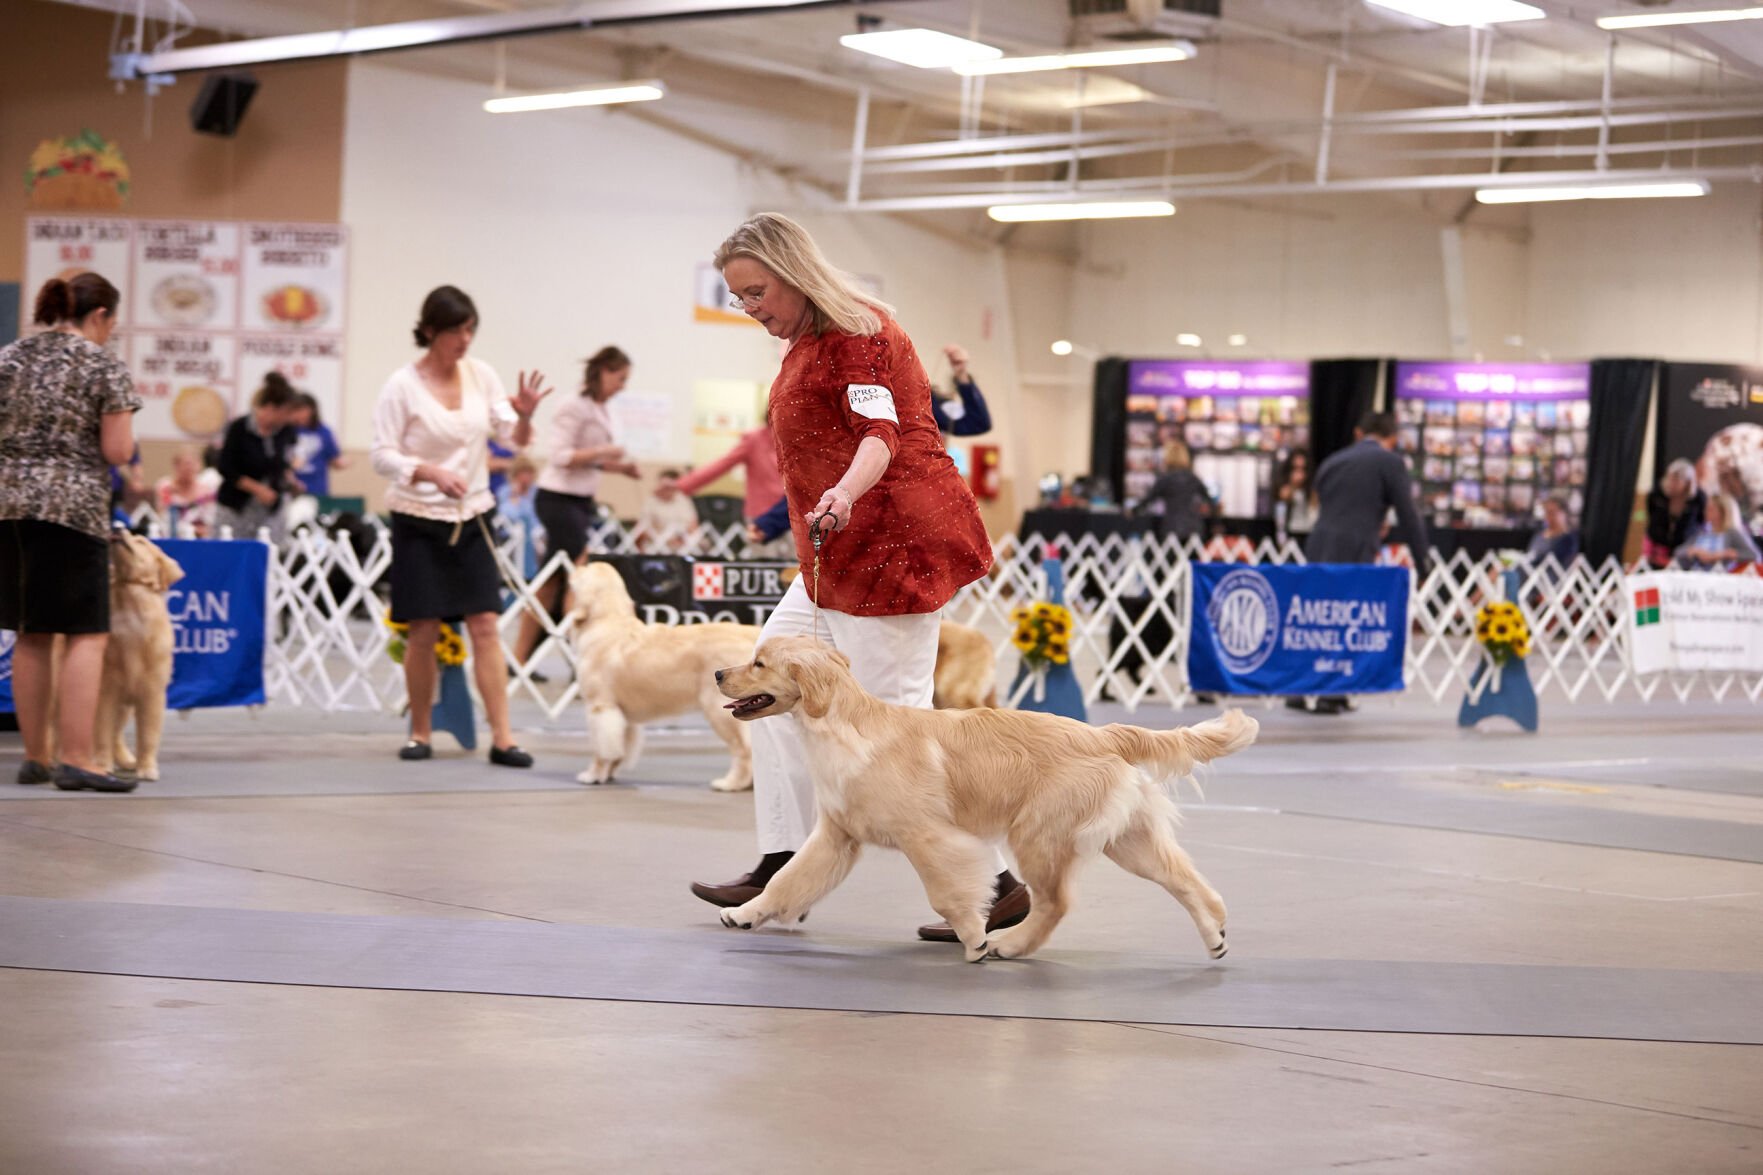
pixel 453 712
pixel 8 639
pixel 1059 691
pixel 1319 628
pixel 219 620
pixel 1501 691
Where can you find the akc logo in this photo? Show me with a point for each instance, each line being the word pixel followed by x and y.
pixel 1244 614
pixel 8 638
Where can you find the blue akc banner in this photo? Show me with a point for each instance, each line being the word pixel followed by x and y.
pixel 219 621
pixel 1321 628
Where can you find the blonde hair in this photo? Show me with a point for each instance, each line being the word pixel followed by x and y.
pixel 1176 456
pixel 1730 515
pixel 785 248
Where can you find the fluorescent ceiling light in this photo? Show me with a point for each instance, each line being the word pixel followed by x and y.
pixel 1641 191
pixel 925 48
pixel 1238 340
pixel 1458 13
pixel 1062 346
pixel 1187 340
pixel 1091 210
pixel 582 96
pixel 1082 59
pixel 1653 19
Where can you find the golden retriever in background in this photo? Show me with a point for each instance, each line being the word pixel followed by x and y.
pixel 942 785
pixel 137 658
pixel 632 673
pixel 967 669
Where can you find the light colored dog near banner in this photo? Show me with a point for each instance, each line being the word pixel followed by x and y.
pixel 943 785
pixel 632 673
pixel 137 657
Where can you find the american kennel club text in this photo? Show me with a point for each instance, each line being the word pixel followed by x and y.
pixel 200 621
pixel 1251 625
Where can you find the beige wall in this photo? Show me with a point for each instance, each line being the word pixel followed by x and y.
pixel 284 164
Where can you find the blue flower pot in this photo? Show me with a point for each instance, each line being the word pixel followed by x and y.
pixel 453 713
pixel 1060 693
pixel 1509 694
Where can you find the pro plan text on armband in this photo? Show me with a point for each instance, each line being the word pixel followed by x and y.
pixel 872 400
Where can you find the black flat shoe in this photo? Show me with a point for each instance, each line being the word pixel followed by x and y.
pixel 510 757
pixel 414 750
pixel 31 771
pixel 77 779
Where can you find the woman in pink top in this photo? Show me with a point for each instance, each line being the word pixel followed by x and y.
pixel 582 447
pixel 757 451
pixel 431 430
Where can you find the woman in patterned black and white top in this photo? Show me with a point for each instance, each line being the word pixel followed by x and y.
pixel 431 432
pixel 66 416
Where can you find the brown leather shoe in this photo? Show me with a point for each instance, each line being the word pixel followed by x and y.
pixel 1007 911
pixel 738 892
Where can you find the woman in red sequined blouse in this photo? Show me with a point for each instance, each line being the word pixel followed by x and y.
pixel 860 452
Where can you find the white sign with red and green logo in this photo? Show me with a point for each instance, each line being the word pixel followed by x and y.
pixel 1681 621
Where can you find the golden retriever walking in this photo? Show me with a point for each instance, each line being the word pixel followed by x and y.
pixel 967 669
pixel 940 784
pixel 632 673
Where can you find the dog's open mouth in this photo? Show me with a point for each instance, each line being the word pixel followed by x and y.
pixel 742 707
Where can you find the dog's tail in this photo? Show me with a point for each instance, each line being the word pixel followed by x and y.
pixel 1177 752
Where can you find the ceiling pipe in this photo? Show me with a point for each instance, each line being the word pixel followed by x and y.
pixel 426 34
pixel 1412 183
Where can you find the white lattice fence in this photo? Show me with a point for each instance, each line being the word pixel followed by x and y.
pixel 1130 599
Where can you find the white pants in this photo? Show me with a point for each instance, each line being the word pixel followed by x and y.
pixel 893 657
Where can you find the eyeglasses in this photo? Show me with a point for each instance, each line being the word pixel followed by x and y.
pixel 746 301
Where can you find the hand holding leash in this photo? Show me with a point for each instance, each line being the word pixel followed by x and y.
pixel 833 512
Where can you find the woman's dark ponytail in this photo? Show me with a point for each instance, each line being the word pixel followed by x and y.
pixel 71 299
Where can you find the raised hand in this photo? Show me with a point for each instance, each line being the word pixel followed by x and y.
pixel 529 392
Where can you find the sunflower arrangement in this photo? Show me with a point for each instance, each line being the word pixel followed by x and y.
pixel 1043 634
pixel 1502 631
pixel 449 645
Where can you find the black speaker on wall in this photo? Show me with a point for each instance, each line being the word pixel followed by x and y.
pixel 220 106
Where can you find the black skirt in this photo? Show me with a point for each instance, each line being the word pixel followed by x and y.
pixel 53 578
pixel 436 579
pixel 568 520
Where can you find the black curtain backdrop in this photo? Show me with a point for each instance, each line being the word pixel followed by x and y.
pixel 1108 424
pixel 1341 391
pixel 1621 391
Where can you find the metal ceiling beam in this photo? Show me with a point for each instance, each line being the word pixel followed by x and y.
pixel 424 34
pixel 1407 183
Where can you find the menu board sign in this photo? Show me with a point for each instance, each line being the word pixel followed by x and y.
pixel 1490 440
pixel 209 307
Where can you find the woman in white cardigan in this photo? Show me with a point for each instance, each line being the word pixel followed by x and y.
pixel 431 429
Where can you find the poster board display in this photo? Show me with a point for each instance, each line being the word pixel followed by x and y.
pixel 1712 414
pixel 1239 421
pixel 208 308
pixel 1487 442
pixel 1684 621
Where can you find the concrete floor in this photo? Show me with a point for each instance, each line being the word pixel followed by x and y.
pixel 1386 835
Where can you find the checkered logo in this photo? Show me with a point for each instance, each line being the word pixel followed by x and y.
pixel 1646 607
pixel 706 581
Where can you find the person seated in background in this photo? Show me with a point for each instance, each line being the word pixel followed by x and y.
pixel 1722 541
pixel 668 518
pixel 1294 501
pixel 315 452
pixel 186 498
pixel 1674 512
pixel 1557 538
pixel 253 463
pixel 514 506
pixel 1178 494
pixel 963 412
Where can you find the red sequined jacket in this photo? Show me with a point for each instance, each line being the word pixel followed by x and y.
pixel 916 537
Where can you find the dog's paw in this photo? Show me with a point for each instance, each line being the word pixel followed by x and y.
pixel 978 954
pixel 1217 949
pixel 148 773
pixel 593 775
pixel 742 918
pixel 725 784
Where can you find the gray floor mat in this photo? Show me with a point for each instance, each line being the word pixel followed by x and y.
pixel 815 971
